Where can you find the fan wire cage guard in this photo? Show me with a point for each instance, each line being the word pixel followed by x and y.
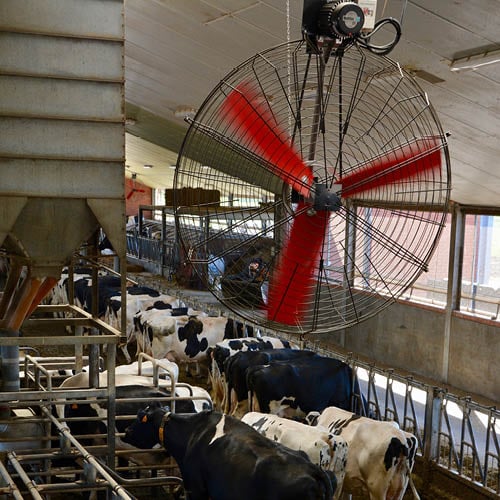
pixel 283 126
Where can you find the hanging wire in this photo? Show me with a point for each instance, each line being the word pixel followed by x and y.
pixel 381 50
pixel 289 63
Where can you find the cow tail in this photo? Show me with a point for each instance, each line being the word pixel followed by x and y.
pixel 414 491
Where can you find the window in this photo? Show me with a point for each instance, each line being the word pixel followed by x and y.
pixel 431 286
pixel 481 266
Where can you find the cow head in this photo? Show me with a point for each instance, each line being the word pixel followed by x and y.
pixel 144 432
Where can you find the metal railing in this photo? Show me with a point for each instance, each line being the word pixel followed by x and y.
pixel 151 250
pixel 455 433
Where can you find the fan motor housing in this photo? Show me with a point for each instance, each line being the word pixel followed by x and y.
pixel 344 19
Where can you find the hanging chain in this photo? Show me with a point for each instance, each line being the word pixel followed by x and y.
pixel 288 21
pixel 289 63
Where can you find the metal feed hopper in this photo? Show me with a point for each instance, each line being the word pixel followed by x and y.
pixel 62 141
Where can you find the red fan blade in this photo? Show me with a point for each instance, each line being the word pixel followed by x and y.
pixel 253 121
pixel 294 278
pixel 398 165
pixel 135 191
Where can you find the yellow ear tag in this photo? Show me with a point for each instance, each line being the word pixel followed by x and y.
pixel 74 406
pixel 160 434
pixel 144 419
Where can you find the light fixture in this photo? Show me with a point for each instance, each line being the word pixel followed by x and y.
pixel 148 166
pixel 172 166
pixel 475 61
pixel 185 111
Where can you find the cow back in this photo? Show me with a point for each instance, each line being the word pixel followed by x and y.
pixel 303 385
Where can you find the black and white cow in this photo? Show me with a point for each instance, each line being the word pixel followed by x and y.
pixel 322 447
pixel 151 321
pixel 235 372
pixel 223 458
pixel 294 388
pixel 187 339
pixel 229 347
pixel 223 350
pixel 107 287
pixel 381 455
pixel 139 298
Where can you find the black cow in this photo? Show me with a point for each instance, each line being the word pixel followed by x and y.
pixel 294 388
pixel 222 458
pixel 83 418
pixel 235 370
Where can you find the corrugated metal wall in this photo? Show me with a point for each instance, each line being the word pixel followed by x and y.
pixel 62 129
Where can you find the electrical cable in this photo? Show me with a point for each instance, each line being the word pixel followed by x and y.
pixel 381 50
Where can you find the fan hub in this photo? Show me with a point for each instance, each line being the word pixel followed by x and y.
pixel 325 199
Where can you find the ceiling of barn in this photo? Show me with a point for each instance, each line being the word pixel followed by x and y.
pixel 177 51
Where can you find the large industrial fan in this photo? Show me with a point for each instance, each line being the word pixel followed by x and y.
pixel 323 163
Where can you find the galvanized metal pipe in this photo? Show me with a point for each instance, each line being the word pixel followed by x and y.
pixel 11 487
pixel 25 478
pixel 9 364
pixel 118 490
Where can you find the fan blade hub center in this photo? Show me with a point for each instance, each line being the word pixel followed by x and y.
pixel 326 199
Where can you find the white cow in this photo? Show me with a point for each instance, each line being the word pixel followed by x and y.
pixel 323 448
pixel 166 369
pixel 201 398
pixel 20 429
pixel 381 455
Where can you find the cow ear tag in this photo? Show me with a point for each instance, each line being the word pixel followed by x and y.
pixel 144 419
pixel 74 406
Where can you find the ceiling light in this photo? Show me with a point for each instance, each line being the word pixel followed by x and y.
pixel 148 166
pixel 172 166
pixel 185 111
pixel 476 61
